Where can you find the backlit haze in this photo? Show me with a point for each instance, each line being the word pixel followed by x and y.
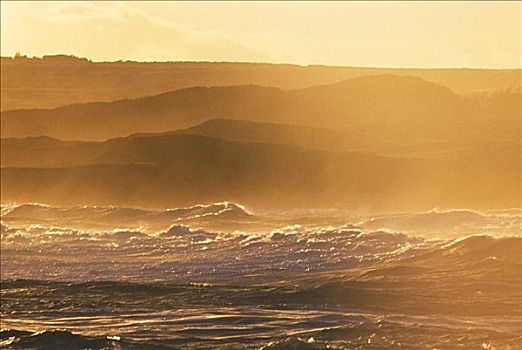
pixel 378 34
pixel 261 175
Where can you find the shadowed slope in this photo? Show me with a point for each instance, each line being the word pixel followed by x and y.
pixel 176 169
pixel 309 137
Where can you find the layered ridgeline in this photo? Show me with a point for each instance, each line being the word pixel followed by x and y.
pixel 58 80
pixel 391 142
pixel 382 107
pixel 269 170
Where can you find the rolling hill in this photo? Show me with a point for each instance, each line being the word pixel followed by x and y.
pixel 59 80
pixel 176 169
pixel 383 107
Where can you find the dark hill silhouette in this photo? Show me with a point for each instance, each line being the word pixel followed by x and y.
pixel 309 137
pixel 43 151
pixel 381 107
pixel 176 169
pixel 59 80
pixel 348 140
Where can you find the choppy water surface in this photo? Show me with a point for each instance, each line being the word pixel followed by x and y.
pixel 221 277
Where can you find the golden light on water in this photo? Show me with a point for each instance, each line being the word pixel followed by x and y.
pixel 238 205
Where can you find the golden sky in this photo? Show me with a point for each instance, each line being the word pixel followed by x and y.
pixel 379 34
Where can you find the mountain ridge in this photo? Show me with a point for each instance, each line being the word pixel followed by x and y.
pixel 401 108
pixel 57 80
pixel 177 169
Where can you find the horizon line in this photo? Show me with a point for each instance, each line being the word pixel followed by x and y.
pixel 90 60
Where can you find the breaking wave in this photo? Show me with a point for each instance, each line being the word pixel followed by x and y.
pixel 450 223
pixel 89 216
pixel 220 277
pixel 187 254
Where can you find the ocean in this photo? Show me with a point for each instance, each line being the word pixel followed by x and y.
pixel 220 276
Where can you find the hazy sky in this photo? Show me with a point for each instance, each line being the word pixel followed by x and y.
pixel 391 34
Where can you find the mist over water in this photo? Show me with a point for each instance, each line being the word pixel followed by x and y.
pixel 219 205
pixel 221 276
